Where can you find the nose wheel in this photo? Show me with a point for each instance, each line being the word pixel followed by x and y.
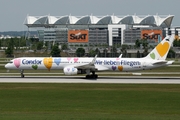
pixel 22 73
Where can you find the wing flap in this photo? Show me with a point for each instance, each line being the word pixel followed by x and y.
pixel 101 68
pixel 85 66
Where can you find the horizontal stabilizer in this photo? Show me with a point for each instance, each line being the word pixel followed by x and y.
pixel 170 62
pixel 160 62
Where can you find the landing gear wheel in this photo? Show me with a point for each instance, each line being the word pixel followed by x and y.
pixel 88 76
pixel 22 76
pixel 96 76
pixel 22 73
pixel 91 76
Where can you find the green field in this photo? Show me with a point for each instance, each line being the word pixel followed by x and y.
pixel 89 102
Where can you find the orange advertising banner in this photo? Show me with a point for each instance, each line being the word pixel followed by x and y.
pixel 78 36
pixel 151 34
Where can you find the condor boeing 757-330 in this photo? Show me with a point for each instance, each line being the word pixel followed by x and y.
pixel 74 65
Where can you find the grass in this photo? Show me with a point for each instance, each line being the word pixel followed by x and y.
pixel 89 101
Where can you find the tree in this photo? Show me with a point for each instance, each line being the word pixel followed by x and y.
pixel 176 43
pixel 0 44
pixel 9 52
pixel 105 52
pixel 171 54
pixel 124 50
pixel 138 54
pixel 16 42
pixel 92 53
pixel 97 52
pixel 40 45
pixel 80 52
pixel 55 52
pixel 145 52
pixel 137 43
pixel 64 47
pixel 144 43
pixel 21 42
pixel 114 51
pixel 11 43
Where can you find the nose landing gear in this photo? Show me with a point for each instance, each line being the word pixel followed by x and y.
pixel 22 73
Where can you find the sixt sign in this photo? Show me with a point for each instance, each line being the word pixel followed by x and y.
pixel 77 36
pixel 146 36
pixel 151 34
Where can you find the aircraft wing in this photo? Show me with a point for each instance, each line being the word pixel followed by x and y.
pixel 85 66
pixel 91 66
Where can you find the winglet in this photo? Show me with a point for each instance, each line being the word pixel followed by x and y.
pixel 120 55
pixel 94 60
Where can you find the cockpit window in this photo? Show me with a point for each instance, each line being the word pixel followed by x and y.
pixel 10 62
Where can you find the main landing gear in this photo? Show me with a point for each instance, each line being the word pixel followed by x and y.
pixel 22 73
pixel 92 76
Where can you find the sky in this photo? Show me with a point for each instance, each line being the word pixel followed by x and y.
pixel 14 12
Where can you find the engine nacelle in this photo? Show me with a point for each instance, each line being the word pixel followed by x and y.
pixel 70 71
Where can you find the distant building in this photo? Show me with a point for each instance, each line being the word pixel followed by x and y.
pixel 89 30
pixel 5 37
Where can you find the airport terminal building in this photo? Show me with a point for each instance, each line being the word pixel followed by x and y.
pixel 105 30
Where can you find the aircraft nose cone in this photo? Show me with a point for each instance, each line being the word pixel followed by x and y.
pixel 6 66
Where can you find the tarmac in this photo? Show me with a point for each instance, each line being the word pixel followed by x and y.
pixel 82 79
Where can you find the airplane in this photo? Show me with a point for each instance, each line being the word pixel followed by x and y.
pixel 80 65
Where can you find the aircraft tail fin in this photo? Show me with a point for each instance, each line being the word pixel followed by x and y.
pixel 161 50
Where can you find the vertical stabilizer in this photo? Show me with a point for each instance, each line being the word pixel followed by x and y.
pixel 161 50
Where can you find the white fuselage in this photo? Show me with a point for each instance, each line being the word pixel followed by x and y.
pixel 101 64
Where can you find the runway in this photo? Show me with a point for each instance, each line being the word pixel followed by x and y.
pixel 81 79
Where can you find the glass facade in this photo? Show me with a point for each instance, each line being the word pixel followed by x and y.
pixel 61 35
pixel 98 36
pixel 41 35
pixel 49 35
pixel 116 34
pixel 131 35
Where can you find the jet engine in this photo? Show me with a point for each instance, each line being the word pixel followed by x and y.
pixel 70 71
